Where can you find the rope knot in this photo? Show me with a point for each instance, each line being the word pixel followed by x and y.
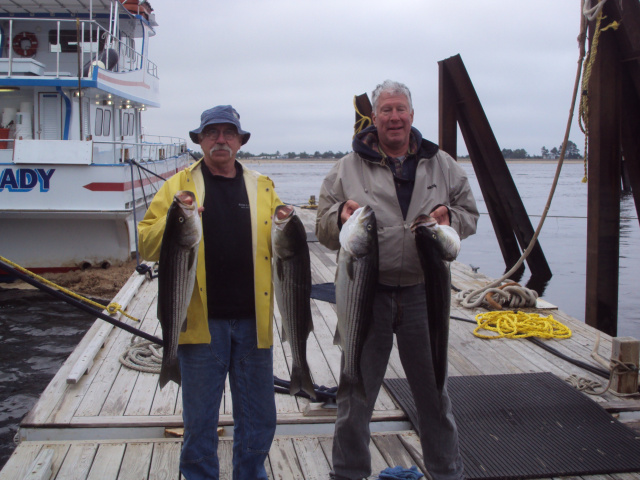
pixel 113 308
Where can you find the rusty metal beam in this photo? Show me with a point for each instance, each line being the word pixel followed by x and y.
pixel 603 205
pixel 508 215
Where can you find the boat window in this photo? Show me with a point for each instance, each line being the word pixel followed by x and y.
pixel 69 40
pixel 131 123
pixel 125 124
pixel 106 127
pixel 98 122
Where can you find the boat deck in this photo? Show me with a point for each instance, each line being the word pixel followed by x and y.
pixel 100 419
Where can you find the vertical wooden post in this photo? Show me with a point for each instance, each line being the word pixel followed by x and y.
pixel 625 350
pixel 603 205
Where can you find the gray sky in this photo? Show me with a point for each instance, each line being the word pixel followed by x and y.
pixel 292 67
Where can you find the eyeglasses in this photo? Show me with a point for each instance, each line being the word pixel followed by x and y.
pixel 214 133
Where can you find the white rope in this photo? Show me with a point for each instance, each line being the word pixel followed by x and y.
pixel 510 295
pixel 144 356
pixel 472 298
pixel 592 12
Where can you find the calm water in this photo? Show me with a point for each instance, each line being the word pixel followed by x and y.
pixel 563 236
pixel 37 333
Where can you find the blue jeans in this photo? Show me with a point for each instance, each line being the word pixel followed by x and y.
pixel 204 368
pixel 404 312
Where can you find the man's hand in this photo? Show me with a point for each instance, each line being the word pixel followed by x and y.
pixel 441 214
pixel 349 207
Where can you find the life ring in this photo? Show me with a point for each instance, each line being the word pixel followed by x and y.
pixel 32 47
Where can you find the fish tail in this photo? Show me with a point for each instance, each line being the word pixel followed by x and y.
pixel 170 372
pixel 301 380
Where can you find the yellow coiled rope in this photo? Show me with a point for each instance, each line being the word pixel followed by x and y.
pixel 510 324
pixel 583 116
pixel 111 309
pixel 362 121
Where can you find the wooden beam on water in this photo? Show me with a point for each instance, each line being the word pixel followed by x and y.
pixel 603 205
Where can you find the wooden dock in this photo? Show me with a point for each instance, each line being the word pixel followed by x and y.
pixel 99 419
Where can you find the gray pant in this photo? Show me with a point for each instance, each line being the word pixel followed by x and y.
pixel 403 312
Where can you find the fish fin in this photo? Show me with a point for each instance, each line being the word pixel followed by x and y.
pixel 309 324
pixel 301 380
pixel 279 268
pixel 193 255
pixel 350 267
pixel 337 340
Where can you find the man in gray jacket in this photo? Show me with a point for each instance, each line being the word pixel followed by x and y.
pixel 400 175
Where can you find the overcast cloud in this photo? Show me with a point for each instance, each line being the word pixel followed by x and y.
pixel 292 67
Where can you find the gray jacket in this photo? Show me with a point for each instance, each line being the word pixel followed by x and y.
pixel 365 177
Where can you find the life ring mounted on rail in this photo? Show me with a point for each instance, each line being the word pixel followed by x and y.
pixel 25 44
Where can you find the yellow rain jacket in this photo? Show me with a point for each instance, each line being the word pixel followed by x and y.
pixel 262 202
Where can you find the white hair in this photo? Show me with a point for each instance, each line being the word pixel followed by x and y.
pixel 393 88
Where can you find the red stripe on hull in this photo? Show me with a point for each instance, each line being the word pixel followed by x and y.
pixel 125 186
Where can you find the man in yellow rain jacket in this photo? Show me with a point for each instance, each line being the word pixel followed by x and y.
pixel 229 320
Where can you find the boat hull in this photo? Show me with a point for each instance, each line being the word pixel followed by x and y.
pixel 64 217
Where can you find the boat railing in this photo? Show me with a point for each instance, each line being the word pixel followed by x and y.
pixel 148 149
pixel 98 47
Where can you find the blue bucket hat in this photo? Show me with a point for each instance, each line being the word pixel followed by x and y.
pixel 219 114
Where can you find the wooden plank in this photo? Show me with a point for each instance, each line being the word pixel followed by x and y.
pixel 313 462
pixel 136 461
pixel 284 461
pixel 123 298
pixel 73 396
pixel 109 368
pixel 132 392
pixel 106 463
pixel 411 442
pixel 77 463
pixel 393 450
pixel 42 466
pixel 20 461
pixel 225 459
pixel 165 461
pixel 165 401
pixel 146 384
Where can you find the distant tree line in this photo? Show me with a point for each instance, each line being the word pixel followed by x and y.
pixel 573 152
pixel 293 155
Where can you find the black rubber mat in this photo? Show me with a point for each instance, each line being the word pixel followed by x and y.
pixel 324 291
pixel 530 425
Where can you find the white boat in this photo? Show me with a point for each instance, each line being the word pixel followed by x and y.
pixel 76 168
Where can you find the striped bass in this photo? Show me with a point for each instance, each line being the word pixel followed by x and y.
pixel 438 246
pixel 176 277
pixel 292 285
pixel 356 280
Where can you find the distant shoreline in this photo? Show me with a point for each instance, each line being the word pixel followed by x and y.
pixel 333 160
